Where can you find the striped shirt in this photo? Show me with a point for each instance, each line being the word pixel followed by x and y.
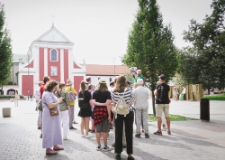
pixel 127 95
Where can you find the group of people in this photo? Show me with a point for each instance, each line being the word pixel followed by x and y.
pixel 101 105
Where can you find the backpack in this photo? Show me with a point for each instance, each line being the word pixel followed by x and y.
pixel 121 107
pixel 82 102
pixel 71 96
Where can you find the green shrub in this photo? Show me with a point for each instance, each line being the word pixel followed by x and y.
pixel 220 97
pixel 172 118
pixel 10 96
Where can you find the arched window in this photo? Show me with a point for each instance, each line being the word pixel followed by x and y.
pixel 54 55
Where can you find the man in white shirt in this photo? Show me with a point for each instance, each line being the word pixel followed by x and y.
pixel 141 96
pixel 37 98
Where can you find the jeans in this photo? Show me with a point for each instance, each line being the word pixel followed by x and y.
pixel 65 122
pixel 128 121
pixel 71 116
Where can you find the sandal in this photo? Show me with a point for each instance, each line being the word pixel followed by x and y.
pixel 169 132
pixel 158 133
pixel 49 151
pixel 58 147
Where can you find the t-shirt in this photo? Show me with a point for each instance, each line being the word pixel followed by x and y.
pixel 162 93
pixel 42 89
pixel 139 77
pixel 68 89
pixel 101 97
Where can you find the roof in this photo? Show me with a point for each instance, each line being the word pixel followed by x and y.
pixel 53 35
pixel 106 70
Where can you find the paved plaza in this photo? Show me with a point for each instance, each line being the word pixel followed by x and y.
pixel 190 140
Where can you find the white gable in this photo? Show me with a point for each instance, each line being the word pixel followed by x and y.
pixel 53 35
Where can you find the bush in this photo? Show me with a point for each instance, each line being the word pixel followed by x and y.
pixel 10 83
pixel 10 96
pixel 220 97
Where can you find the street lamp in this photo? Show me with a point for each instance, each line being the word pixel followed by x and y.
pixel 28 79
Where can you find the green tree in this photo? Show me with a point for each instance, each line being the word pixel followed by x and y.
pixel 5 50
pixel 208 40
pixel 150 45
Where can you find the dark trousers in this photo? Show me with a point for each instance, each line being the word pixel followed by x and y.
pixel 128 121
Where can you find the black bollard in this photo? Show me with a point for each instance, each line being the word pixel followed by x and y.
pixel 204 109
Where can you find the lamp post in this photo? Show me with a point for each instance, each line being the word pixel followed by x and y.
pixel 28 79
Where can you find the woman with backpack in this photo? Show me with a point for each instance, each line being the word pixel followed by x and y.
pixel 122 97
pixel 84 102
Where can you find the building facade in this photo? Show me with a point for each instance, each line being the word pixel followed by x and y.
pixel 49 55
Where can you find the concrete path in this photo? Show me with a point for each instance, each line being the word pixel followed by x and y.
pixel 190 140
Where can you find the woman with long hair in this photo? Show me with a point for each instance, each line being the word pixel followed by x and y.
pixel 84 102
pixel 102 113
pixel 121 90
pixel 64 109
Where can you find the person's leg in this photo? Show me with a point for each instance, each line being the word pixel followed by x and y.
pixel 129 119
pixel 166 112
pixel 87 119
pixel 98 134
pixel 82 125
pixel 118 133
pixel 138 121
pixel 65 123
pixel 145 120
pixel 159 120
pixel 142 124
pixel 163 120
pixel 39 119
pixel 71 116
pixel 124 136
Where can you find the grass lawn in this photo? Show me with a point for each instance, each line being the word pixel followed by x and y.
pixel 215 97
pixel 151 117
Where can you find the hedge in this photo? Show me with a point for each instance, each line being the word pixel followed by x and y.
pixel 215 97
pixel 10 96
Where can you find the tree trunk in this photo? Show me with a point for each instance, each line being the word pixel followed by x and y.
pixel 153 103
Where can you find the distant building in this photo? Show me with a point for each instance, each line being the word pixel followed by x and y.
pixel 52 54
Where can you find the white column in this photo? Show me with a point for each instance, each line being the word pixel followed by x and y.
pixel 62 65
pixel 70 64
pixel 46 62
pixel 35 53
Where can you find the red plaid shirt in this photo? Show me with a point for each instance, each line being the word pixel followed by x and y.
pixel 100 113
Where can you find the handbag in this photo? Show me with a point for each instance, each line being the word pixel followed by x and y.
pixel 54 111
pixel 71 96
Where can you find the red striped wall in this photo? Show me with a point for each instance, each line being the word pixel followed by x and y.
pixel 41 64
pixel 66 65
pixel 77 80
pixel 25 85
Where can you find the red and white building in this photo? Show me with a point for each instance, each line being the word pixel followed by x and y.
pixel 50 55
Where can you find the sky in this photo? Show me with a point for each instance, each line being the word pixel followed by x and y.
pixel 98 28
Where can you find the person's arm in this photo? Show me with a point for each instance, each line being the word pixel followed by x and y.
pixel 155 92
pixel 98 103
pixel 53 105
pixel 108 105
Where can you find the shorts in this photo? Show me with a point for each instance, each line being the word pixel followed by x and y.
pixel 162 108
pixel 103 126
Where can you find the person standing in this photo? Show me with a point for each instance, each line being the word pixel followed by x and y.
pixel 121 90
pixel 51 126
pixel 141 96
pixel 68 89
pixel 162 104
pixel 37 98
pixel 84 99
pixel 16 99
pixel 91 90
pixel 102 113
pixel 64 109
pixel 42 88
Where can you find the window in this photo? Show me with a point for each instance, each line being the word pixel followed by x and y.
pixel 54 55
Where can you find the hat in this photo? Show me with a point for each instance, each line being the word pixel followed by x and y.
pixel 68 82
pixel 140 81
pixel 162 77
pixel 101 80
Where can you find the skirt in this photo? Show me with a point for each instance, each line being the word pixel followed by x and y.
pixel 86 112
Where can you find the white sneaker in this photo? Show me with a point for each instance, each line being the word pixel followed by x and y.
pixel 65 138
pixel 106 149
pixel 164 129
pixel 88 136
pixel 82 136
pixel 98 148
